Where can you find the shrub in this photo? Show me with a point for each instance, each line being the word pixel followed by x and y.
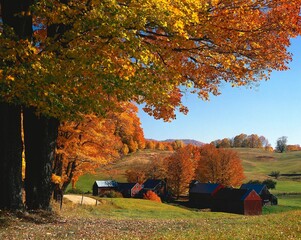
pixel 74 191
pixel 275 174
pixel 111 194
pixel 271 184
pixel 254 182
pixel 150 195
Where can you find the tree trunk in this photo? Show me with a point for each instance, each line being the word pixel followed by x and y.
pixel 40 134
pixel 10 157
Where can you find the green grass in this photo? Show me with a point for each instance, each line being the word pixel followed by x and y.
pixel 121 218
pixel 287 187
pixel 258 164
pixel 172 222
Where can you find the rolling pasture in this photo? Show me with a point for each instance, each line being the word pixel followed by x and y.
pixel 257 163
pixel 121 218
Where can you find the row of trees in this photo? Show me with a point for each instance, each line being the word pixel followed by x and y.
pixel 167 146
pixel 254 141
pixel 62 59
pixel 243 141
pixel 206 164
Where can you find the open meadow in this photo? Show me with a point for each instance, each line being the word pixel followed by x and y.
pixel 121 218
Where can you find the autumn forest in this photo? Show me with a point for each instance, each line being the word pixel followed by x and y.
pixel 72 73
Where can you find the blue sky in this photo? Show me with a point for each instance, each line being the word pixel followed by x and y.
pixel 273 109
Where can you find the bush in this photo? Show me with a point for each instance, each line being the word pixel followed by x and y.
pixel 254 182
pixel 150 195
pixel 275 174
pixel 111 194
pixel 271 184
pixel 75 191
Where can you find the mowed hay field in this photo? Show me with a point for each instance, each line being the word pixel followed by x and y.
pixel 120 218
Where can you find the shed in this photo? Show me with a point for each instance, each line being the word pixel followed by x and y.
pixel 129 189
pixel 263 192
pixel 200 194
pixel 99 187
pixel 240 201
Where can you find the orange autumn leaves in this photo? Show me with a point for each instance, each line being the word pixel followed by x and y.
pixel 85 55
pixel 85 146
pixel 205 164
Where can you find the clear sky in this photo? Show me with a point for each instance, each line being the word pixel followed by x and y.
pixel 273 110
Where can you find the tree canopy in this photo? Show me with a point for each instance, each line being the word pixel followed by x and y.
pixel 85 55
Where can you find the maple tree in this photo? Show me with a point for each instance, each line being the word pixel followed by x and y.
pixel 136 172
pixel 217 165
pixel 128 126
pixel 139 171
pixel 180 169
pixel 84 57
pixel 94 142
pixel 82 147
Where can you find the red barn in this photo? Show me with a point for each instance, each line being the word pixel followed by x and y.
pixel 129 189
pixel 240 201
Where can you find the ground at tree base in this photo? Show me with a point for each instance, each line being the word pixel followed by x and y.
pixel 57 225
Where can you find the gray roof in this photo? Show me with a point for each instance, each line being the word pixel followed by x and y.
pixel 106 183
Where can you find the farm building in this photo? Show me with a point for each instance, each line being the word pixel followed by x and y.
pixel 240 201
pixel 156 185
pixel 129 189
pixel 200 194
pixel 99 187
pixel 263 192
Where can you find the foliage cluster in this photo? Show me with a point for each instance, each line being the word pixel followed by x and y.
pixel 167 146
pixel 206 164
pixel 111 194
pixel 242 141
pixel 271 184
pixel 281 144
pixel 292 148
pixel 85 146
pixel 275 174
pixel 150 195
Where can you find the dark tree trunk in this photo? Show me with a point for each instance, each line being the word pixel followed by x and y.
pixel 10 157
pixel 40 134
pixel 16 14
pixel 57 169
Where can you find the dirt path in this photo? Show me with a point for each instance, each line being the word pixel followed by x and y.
pixel 80 199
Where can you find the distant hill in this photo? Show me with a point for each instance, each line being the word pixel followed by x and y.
pixel 186 141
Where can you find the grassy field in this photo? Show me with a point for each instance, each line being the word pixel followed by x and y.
pixel 116 171
pixel 119 218
pixel 257 163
